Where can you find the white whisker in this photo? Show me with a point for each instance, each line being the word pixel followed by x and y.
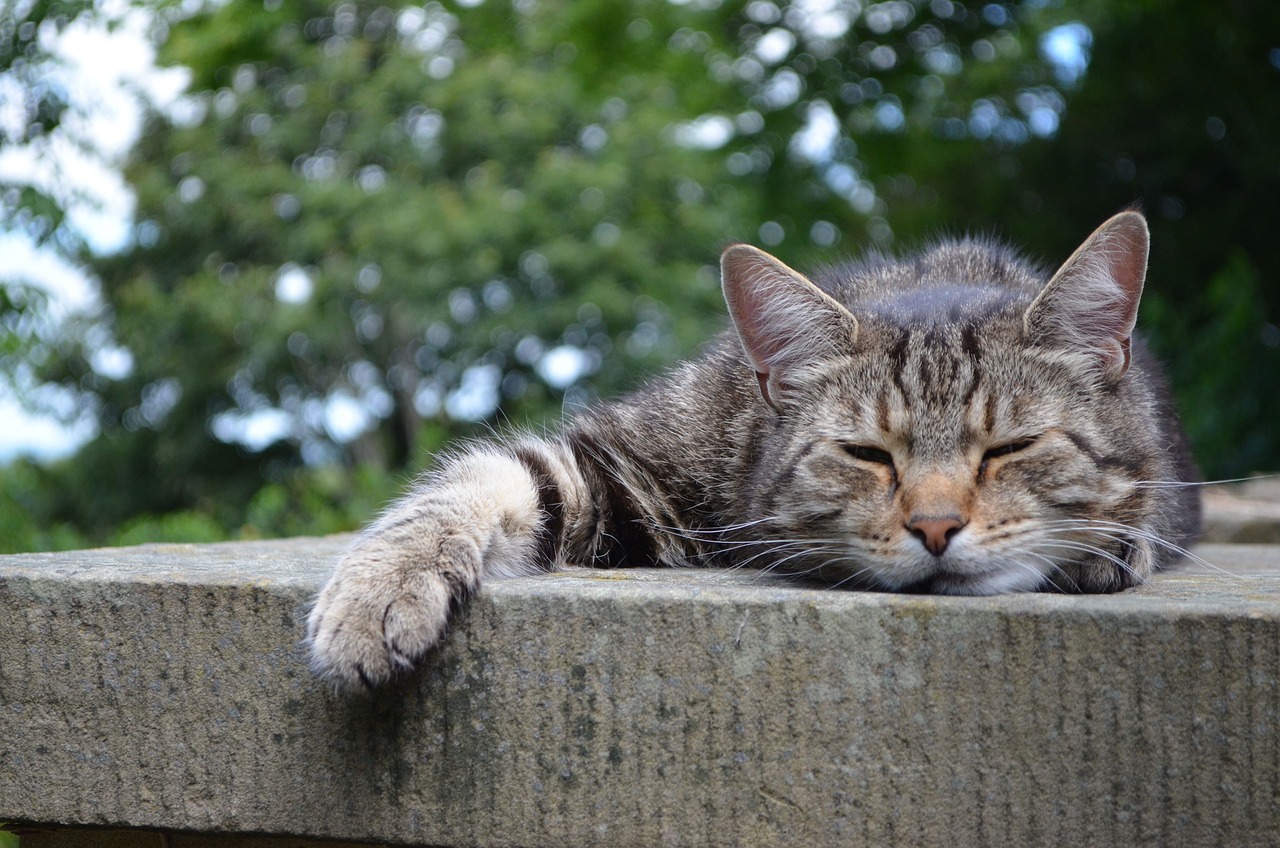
pixel 1111 529
pixel 1178 484
pixel 1089 549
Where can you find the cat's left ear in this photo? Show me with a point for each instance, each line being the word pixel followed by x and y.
pixel 1091 304
pixel 785 322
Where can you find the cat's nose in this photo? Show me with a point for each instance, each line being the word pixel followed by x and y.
pixel 935 532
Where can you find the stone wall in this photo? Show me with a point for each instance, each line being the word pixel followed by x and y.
pixel 165 688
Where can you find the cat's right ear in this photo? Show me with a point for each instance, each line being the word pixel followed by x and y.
pixel 1091 304
pixel 785 322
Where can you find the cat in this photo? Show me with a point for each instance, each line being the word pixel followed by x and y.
pixel 954 421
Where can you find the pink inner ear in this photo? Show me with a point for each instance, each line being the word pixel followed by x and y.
pixel 1124 248
pixel 742 272
pixel 783 320
pixel 1091 304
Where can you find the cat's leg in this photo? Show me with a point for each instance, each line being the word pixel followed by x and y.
pixel 495 510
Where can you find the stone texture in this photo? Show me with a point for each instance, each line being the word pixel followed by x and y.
pixel 165 687
pixel 83 837
pixel 1246 512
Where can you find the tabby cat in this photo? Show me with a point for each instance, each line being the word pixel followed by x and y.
pixel 946 422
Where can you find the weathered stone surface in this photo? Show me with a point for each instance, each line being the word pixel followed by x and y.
pixel 166 687
pixel 1247 512
pixel 83 837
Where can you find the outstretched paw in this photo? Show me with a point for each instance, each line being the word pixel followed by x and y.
pixel 376 618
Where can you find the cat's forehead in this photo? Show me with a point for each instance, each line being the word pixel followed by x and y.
pixel 938 383
pixel 934 304
pixel 948 283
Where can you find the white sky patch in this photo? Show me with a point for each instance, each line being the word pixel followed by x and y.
pixel 345 417
pixel 782 89
pixel 889 116
pixel 816 20
pixel 66 284
pixel 845 182
pixel 562 366
pixel 97 201
pixel 112 361
pixel 775 45
pixel 427 399
pixel 13 116
pixel 293 284
pixel 256 430
pixel 477 397
pixel 39 436
pixel 709 132
pixel 1067 49
pixel 105 67
pixel 1043 121
pixel 106 100
pixel 816 141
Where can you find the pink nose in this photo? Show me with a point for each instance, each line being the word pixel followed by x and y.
pixel 935 532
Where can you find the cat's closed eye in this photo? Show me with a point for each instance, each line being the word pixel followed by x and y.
pixel 866 453
pixel 1002 451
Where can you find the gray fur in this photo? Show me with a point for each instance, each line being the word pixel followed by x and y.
pixel 1024 453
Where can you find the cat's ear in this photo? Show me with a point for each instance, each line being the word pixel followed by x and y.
pixel 1091 304
pixel 785 322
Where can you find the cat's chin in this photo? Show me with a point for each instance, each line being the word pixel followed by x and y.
pixel 993 582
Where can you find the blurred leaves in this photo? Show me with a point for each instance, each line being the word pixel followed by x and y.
pixel 371 228
pixel 377 226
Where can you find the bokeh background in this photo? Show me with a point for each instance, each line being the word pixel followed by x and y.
pixel 259 259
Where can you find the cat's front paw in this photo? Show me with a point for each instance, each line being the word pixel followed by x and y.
pixel 380 613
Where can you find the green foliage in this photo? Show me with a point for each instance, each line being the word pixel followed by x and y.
pixel 318 501
pixel 314 501
pixel 179 526
pixel 7 839
pixel 410 208
pixel 26 504
pixel 1224 412
pixel 415 210
pixel 24 64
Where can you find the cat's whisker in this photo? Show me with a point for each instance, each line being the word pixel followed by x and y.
pixel 831 551
pixel 769 544
pixel 710 533
pixel 780 550
pixel 1088 549
pixel 777 565
pixel 877 580
pixel 1074 526
pixel 1053 564
pixel 1176 484
pixel 1116 531
pixel 772 551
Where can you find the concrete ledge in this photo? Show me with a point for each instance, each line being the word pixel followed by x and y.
pixel 164 687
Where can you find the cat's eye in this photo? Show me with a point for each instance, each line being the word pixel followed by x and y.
pixel 1004 450
pixel 869 454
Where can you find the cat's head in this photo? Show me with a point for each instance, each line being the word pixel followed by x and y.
pixel 952 422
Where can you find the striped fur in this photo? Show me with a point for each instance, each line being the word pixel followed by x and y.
pixel 954 421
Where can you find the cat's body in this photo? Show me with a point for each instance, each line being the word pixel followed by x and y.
pixel 951 422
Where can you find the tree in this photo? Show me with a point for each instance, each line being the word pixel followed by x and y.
pixel 374 227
